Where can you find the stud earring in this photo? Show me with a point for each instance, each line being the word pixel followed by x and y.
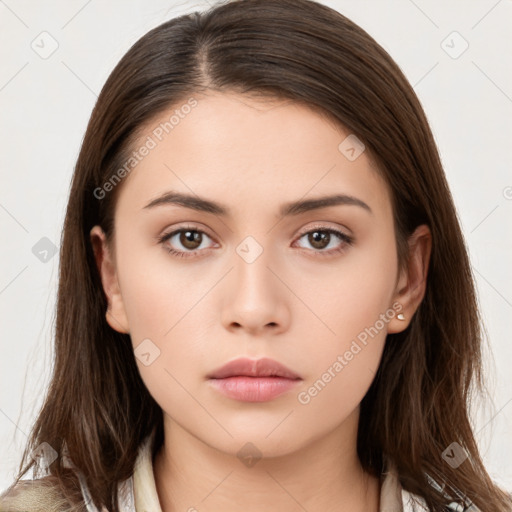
pixel 400 316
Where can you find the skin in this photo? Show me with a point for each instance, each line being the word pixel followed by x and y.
pixel 291 304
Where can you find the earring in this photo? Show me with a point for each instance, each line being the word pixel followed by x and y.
pixel 400 316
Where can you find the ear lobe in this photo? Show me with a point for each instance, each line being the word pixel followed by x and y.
pixel 412 284
pixel 115 314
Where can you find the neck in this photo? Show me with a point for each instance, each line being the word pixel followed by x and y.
pixel 324 475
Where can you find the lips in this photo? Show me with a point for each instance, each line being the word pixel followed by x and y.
pixel 248 380
pixel 244 367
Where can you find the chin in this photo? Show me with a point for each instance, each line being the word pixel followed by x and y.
pixel 257 443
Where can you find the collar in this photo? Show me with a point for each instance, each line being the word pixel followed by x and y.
pixel 144 487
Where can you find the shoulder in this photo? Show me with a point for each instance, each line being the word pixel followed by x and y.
pixel 40 495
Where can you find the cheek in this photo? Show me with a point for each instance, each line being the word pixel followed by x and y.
pixel 168 328
pixel 350 296
pixel 178 353
pixel 342 368
pixel 352 314
pixel 156 295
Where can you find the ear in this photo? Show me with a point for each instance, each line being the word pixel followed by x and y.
pixel 115 314
pixel 412 282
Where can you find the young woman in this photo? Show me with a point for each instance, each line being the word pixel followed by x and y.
pixel 265 300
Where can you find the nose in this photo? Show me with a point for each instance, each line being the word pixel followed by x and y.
pixel 255 298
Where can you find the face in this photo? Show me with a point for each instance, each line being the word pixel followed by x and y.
pixel 197 286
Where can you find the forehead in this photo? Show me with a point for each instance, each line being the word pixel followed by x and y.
pixel 250 152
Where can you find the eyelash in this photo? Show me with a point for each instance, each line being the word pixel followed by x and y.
pixel 348 240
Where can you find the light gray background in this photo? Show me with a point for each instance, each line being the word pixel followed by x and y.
pixel 46 103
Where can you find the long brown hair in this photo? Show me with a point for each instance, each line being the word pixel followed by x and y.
pixel 98 407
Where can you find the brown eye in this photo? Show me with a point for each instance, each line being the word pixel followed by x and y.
pixel 190 239
pixel 321 238
pixel 184 242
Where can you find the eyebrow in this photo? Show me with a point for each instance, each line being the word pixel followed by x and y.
pixel 287 209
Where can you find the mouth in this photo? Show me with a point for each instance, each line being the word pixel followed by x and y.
pixel 249 380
